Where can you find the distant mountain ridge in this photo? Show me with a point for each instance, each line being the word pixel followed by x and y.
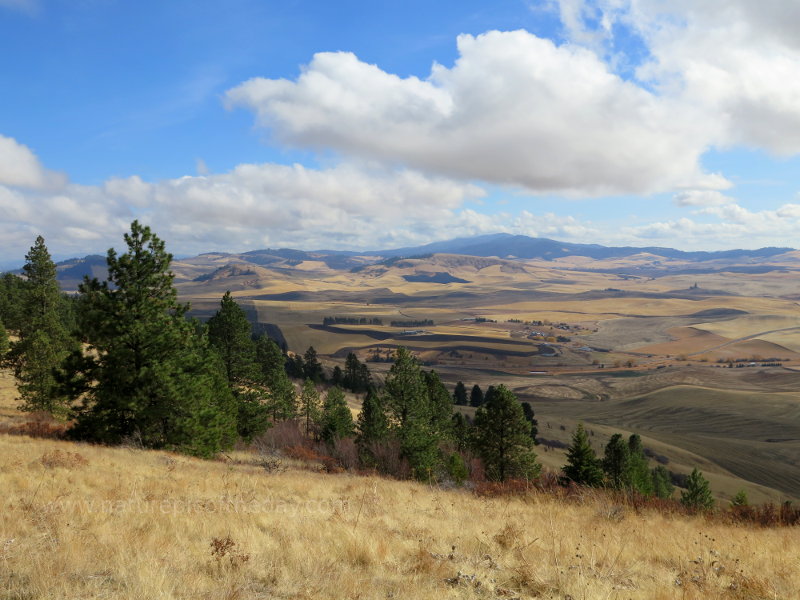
pixel 504 245
pixel 501 245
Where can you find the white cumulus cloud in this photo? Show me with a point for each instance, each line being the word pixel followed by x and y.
pixel 702 198
pixel 738 61
pixel 20 167
pixel 253 206
pixel 514 109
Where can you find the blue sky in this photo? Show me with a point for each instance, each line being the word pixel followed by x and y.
pixel 244 124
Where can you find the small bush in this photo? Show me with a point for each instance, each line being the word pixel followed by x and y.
pixel 225 554
pixel 38 425
pixel 61 458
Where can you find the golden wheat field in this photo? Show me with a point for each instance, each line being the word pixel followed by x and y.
pixel 91 522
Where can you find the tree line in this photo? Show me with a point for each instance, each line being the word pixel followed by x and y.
pixel 624 467
pixel 123 362
pixel 351 321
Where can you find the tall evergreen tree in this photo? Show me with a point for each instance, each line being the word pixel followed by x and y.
pixel 406 400
pixel 503 437
pixel 337 376
pixel 487 396
pixel 617 463
pixel 641 479
pixel 476 396
pixel 461 431
pixel 230 333
pixel 3 341
pixel 11 302
pixel 440 405
pixel 357 377
pixel 309 406
pixel 351 365
pixel 372 427
pixel 337 420
pixel 312 369
pixel 43 340
pixel 281 392
pixel 460 394
pixel 698 493
pixel 662 482
pixel 148 373
pixel 364 378
pixel 527 410
pixel 583 466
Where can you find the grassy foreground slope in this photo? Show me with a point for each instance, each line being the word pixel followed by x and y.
pixel 89 522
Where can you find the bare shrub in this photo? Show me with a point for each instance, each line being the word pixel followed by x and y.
pixel 283 434
pixel 38 425
pixel 510 487
pixel 225 554
pixel 345 452
pixel 61 458
pixel 304 453
pixel 271 463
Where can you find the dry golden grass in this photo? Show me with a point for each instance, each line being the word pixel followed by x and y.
pixel 751 325
pixel 90 522
pixel 686 340
pixel 8 398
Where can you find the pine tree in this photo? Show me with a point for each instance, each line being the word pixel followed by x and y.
pixel 11 293
pixel 312 369
pixel 698 493
pixel 460 394
pixel 148 373
pixel 229 332
pixel 43 340
pixel 583 466
pixel 440 405
pixel 4 343
pixel 372 426
pixel 281 393
pixel 641 479
pixel 456 468
pixel 357 377
pixel 490 391
pixel 364 378
pixel 662 482
pixel 407 403
pixel 296 367
pixel 337 376
pixel 476 396
pixel 252 413
pixel 617 462
pixel 309 406
pixel 527 410
pixel 461 431
pixel 502 437
pixel 740 499
pixel 337 420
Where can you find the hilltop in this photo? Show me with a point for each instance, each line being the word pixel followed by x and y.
pixel 93 522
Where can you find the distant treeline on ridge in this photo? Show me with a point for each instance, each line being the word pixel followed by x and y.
pixel 351 321
pixel 374 321
pixel 423 323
